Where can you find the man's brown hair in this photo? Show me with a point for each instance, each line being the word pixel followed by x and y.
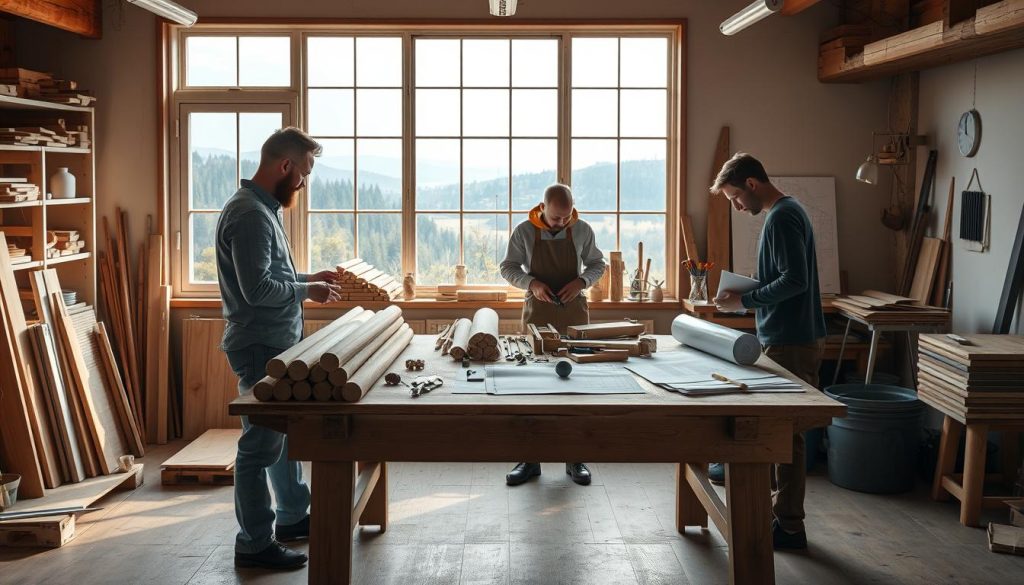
pixel 737 170
pixel 290 143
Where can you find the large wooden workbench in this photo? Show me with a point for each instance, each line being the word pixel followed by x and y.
pixel 746 432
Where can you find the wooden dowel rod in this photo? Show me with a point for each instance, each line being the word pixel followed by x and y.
pixel 371 372
pixel 343 351
pixel 277 367
pixel 340 376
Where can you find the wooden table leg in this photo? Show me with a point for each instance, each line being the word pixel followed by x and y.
pixel 330 530
pixel 689 510
pixel 376 511
pixel 948 447
pixel 748 500
pixel 974 474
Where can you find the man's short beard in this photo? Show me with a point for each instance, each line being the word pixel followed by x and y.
pixel 284 193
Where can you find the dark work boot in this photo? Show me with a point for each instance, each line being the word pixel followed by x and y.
pixel 782 540
pixel 290 532
pixel 275 556
pixel 522 473
pixel 579 473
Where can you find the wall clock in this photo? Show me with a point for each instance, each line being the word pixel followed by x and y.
pixel 968 132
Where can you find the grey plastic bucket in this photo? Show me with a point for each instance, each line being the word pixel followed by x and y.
pixel 874 448
pixel 882 378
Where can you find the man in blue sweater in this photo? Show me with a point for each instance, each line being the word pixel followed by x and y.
pixel 790 323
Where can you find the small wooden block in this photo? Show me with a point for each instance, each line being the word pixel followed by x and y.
pixel 600 355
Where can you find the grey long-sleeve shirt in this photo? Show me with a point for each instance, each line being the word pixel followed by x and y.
pixel 789 301
pixel 261 292
pixel 515 267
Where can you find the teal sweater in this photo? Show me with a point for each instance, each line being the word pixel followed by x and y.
pixel 788 303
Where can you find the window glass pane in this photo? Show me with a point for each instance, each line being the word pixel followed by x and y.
pixel 437 174
pixel 379 61
pixel 211 61
pixel 649 229
pixel 485 241
pixel 330 184
pixel 331 240
pixel 534 112
pixel 213 176
pixel 437 62
pixel 330 112
pixel 643 112
pixel 604 231
pixel 264 61
pixel 330 61
pixel 380 241
pixel 437 248
pixel 379 112
pixel 535 63
pixel 595 62
pixel 437 112
pixel 203 231
pixel 644 62
pixel 380 174
pixel 485 174
pixel 642 175
pixel 534 164
pixel 253 130
pixel 594 112
pixel 485 112
pixel 593 174
pixel 485 63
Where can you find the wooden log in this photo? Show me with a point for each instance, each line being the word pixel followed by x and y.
pixel 343 351
pixel 483 336
pixel 283 390
pixel 300 367
pixel 302 390
pixel 341 376
pixel 317 374
pixel 323 391
pixel 373 369
pixel 277 367
pixel 460 339
pixel 264 389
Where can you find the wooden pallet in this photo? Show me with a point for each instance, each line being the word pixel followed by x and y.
pixel 180 476
pixel 56 531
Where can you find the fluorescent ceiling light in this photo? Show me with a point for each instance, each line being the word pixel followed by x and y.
pixel 170 10
pixel 749 15
pixel 503 7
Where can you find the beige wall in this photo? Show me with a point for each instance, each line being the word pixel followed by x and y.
pixel 945 94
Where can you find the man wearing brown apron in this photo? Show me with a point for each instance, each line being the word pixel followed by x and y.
pixel 553 256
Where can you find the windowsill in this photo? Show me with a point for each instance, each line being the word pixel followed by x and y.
pixel 430 304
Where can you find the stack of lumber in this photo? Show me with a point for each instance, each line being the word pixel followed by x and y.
pixel 611 330
pixel 981 382
pixel 341 361
pixel 475 338
pixel 34 136
pixel 880 307
pixel 65 243
pixel 17 190
pixel 447 292
pixel 210 459
pixel 18 255
pixel 498 296
pixel 137 305
pixel 42 86
pixel 360 281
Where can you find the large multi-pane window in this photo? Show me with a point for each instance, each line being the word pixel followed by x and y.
pixel 436 144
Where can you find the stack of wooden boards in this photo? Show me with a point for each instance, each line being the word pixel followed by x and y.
pixel 613 341
pixel 341 362
pixel 210 459
pixel 41 136
pixel 137 302
pixel 454 292
pixel 66 416
pixel 17 190
pixel 360 281
pixel 18 255
pixel 26 83
pixel 880 307
pixel 476 338
pixel 1008 538
pixel 978 383
pixel 64 243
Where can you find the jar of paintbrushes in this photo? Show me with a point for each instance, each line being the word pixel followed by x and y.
pixel 698 279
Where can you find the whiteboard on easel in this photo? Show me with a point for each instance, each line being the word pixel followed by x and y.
pixel 817 195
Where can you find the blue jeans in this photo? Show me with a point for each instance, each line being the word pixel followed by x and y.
pixel 263 452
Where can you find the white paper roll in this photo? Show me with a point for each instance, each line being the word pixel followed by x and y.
pixel 728 344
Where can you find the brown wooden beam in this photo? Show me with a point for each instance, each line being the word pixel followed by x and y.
pixel 78 16
pixel 791 7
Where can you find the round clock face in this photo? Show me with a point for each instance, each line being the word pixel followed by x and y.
pixel 968 133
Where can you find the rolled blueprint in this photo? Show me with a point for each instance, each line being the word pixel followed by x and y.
pixel 728 344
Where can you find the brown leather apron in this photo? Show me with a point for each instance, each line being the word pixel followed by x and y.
pixel 555 263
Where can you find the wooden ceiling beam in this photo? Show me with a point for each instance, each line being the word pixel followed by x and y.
pixel 791 7
pixel 78 16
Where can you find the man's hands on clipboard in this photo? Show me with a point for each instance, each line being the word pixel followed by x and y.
pixel 729 302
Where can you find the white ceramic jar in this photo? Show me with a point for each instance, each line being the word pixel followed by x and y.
pixel 62 184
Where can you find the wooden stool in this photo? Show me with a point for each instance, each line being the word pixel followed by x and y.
pixel 968 487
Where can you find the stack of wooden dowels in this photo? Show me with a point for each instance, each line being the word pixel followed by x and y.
pixel 360 281
pixel 476 339
pixel 342 361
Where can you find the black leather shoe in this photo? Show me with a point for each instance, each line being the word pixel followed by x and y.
pixel 291 532
pixel 782 540
pixel 716 473
pixel 276 556
pixel 522 473
pixel 579 472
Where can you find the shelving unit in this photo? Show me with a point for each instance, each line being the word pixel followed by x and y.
pixel 37 163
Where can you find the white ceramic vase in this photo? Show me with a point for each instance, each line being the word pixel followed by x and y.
pixel 62 184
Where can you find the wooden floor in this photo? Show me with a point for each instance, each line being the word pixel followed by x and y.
pixel 459 523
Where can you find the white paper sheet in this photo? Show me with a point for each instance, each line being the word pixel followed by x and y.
pixel 535 379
